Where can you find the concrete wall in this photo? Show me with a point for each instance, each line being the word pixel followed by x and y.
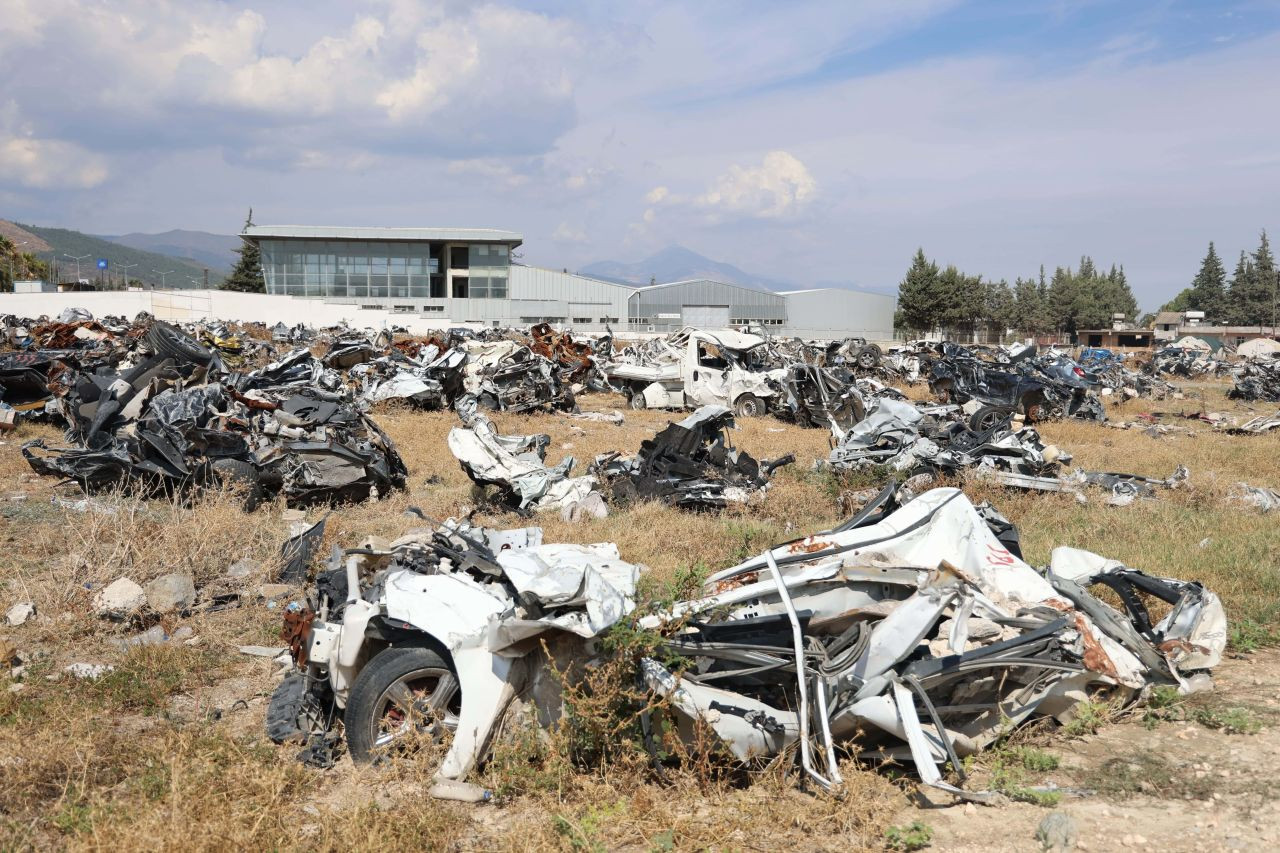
pixel 838 313
pixel 182 305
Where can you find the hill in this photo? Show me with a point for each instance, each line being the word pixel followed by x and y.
pixel 215 251
pixel 139 264
pixel 676 263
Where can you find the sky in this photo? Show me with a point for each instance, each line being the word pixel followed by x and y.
pixel 815 142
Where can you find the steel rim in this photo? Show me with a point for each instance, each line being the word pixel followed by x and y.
pixel 425 700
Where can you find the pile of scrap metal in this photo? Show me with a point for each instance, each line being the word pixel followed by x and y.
pixel 913 439
pixel 912 631
pixel 506 375
pixel 516 466
pixel 1256 379
pixel 1185 361
pixel 1109 370
pixel 919 631
pixel 576 359
pixel 172 420
pixel 37 352
pixel 1041 388
pixel 690 464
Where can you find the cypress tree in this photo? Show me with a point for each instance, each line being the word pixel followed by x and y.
pixel 919 306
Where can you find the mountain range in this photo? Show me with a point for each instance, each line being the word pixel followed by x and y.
pixel 215 251
pixel 677 263
pixel 154 268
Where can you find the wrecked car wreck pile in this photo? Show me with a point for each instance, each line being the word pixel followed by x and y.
pixel 919 626
pixel 690 464
pixel 176 420
pixel 1256 379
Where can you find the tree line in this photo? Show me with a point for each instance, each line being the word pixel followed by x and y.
pixel 1085 297
pixel 1248 298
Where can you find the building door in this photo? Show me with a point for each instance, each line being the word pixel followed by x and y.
pixel 705 316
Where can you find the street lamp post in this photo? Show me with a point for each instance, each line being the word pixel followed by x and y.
pixel 126 268
pixel 77 260
pixel 162 275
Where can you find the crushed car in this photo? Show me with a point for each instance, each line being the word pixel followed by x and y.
pixel 912 631
pixel 690 464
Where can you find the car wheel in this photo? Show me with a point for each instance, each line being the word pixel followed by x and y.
pixel 987 418
pixel 636 399
pixel 868 357
pixel 749 406
pixel 402 689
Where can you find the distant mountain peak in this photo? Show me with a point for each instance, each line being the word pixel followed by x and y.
pixel 679 263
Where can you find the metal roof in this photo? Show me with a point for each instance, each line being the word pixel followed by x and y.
pixel 337 232
pixel 688 281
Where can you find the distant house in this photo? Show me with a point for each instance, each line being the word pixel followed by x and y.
pixel 1166 324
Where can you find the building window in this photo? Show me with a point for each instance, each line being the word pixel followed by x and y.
pixel 458 257
pixel 403 309
pixel 372 307
pixel 460 287
pixel 433 309
pixel 608 319
pixel 581 320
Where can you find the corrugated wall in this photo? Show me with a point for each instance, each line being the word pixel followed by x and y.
pixel 836 313
pixel 650 303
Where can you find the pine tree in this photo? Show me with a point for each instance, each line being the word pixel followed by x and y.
pixel 247 277
pixel 1208 291
pixel 1240 296
pixel 1265 283
pixel 1029 308
pixel 919 305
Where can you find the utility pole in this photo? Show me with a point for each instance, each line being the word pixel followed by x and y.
pixel 162 275
pixel 126 268
pixel 77 260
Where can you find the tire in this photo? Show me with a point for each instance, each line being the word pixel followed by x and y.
pixel 868 358
pixel 749 406
pixel 635 400
pixel 284 713
pixel 235 472
pixel 404 670
pixel 172 341
pixel 987 417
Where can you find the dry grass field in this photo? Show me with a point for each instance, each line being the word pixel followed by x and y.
pixel 168 750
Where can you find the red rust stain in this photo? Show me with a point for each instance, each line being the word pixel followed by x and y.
pixel 809 546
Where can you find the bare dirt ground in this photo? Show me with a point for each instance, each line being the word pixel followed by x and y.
pixel 168 751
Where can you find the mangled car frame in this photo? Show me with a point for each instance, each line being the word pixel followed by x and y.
pixel 915 631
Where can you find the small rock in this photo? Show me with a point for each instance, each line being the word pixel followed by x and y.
pixel 242 568
pixel 121 598
pixel 293 515
pixel 90 671
pixel 182 634
pixel 153 636
pixel 274 590
pixel 171 592
pixel 1057 832
pixel 19 613
pixel 970 809
pixel 1204 543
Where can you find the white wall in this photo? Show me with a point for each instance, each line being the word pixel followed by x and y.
pixel 181 305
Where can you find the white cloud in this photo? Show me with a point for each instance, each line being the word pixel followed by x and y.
pixel 656 195
pixel 778 187
pixel 566 233
pixel 47 164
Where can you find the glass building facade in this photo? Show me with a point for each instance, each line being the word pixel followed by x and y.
pixel 377 269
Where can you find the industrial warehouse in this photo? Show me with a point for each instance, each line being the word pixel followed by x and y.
pixel 452 276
